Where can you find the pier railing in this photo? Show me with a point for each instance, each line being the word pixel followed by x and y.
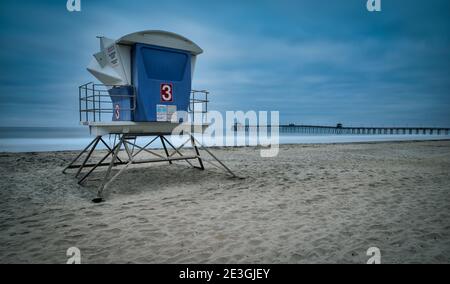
pixel 340 130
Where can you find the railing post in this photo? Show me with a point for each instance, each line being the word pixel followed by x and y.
pixel 193 107
pixel 93 100
pixel 79 100
pixel 86 102
pixel 206 106
pixel 99 106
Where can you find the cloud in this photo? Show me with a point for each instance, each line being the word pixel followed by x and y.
pixel 315 61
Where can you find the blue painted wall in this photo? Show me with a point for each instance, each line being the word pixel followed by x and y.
pixel 153 66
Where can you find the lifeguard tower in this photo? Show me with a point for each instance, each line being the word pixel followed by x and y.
pixel 145 92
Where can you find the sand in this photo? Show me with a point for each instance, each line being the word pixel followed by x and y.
pixel 311 204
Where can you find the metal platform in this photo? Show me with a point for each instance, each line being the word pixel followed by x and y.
pixel 142 128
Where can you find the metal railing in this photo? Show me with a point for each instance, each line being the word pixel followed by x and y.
pixel 198 106
pixel 95 101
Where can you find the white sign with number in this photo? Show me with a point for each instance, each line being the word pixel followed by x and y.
pixel 166 92
pixel 117 111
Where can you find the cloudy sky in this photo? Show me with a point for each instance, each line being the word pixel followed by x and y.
pixel 315 61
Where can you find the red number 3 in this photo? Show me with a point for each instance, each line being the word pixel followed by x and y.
pixel 166 93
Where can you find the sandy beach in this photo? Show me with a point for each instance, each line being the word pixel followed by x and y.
pixel 311 204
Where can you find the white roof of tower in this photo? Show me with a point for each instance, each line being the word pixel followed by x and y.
pixel 161 38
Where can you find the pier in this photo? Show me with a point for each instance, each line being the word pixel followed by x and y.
pixel 339 129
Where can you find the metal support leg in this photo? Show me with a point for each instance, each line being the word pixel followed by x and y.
pixel 88 156
pixel 109 148
pixel 96 166
pixel 214 157
pixel 79 155
pixel 177 151
pixel 145 150
pixel 165 148
pixel 197 152
pixel 106 182
pixel 108 172
pixel 106 185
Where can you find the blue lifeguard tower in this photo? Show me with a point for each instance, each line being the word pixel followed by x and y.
pixel 145 91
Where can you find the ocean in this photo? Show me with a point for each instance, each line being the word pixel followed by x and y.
pixel 42 139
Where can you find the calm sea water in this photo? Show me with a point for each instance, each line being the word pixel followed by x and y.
pixel 38 139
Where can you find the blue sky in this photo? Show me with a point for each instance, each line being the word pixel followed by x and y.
pixel 316 61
